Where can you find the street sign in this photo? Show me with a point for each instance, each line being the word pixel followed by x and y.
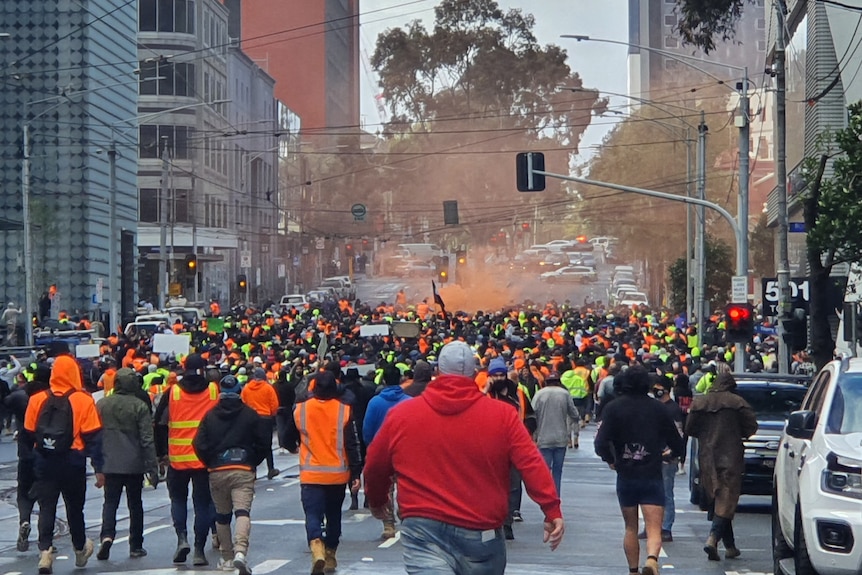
pixel 739 289
pixel 282 269
pixel 319 243
pixel 526 179
pixel 245 259
pixel 99 288
pixel 796 227
pixel 799 294
pixel 358 211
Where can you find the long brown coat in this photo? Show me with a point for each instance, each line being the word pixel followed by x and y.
pixel 721 420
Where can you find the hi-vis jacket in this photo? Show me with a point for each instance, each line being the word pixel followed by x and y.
pixel 178 417
pixel 329 452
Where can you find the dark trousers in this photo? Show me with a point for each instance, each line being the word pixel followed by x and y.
pixel 26 498
pixel 71 483
pixel 114 485
pixel 322 505
pixel 178 490
pixel 514 494
pixel 269 423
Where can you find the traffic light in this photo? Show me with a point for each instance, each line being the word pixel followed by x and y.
pixel 450 213
pixel 526 165
pixel 242 283
pixel 525 227
pixel 795 329
pixel 348 249
pixel 461 258
pixel 739 322
pixel 191 264
pixel 443 270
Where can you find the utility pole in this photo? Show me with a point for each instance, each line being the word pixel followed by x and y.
pixel 742 201
pixel 163 230
pixel 113 290
pixel 783 267
pixel 700 231
pixel 28 245
pixel 689 248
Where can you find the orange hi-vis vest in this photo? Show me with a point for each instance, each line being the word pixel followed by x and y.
pixel 186 410
pixel 322 453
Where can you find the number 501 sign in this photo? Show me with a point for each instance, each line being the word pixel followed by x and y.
pixel 799 294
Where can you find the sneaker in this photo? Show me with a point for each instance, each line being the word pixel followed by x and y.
pixel 105 549
pixel 509 534
pixel 642 535
pixel 239 562
pixel 23 543
pixel 225 564
pixel 516 516
pixel 46 562
pixel 666 536
pixel 82 555
pixel 273 473
pixel 137 553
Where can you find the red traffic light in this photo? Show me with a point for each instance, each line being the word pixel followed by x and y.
pixel 740 322
pixel 525 226
pixel 738 313
pixel 581 239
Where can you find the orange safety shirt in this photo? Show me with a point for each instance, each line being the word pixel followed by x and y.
pixel 322 452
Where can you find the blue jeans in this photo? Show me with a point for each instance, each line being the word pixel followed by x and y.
pixel 554 457
pixel 435 548
pixel 668 474
pixel 322 503
pixel 178 489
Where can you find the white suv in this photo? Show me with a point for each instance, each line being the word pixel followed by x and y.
pixel 817 495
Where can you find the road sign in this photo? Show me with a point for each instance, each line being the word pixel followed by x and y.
pixel 320 243
pixel 358 211
pixel 99 288
pixel 799 294
pixel 245 259
pixel 796 227
pixel 739 289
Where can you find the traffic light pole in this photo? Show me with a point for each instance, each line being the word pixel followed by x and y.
pixel 738 232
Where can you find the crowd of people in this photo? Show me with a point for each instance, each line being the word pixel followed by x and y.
pixel 203 421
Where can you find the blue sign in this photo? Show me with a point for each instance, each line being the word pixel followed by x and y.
pixel 796 227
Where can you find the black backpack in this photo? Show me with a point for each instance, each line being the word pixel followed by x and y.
pixel 54 426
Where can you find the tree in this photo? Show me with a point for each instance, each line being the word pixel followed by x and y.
pixel 700 22
pixel 719 266
pixel 762 242
pixel 464 96
pixel 832 208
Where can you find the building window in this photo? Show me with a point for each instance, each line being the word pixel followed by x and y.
pixel 670 20
pixel 175 78
pixel 671 42
pixel 761 24
pixel 166 16
pixel 761 45
pixel 154 138
pixel 148 205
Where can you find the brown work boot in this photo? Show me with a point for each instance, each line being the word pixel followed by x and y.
pixel 388 530
pixel 651 566
pixel 318 556
pixel 731 552
pixel 710 548
pixel 331 562
pixel 46 562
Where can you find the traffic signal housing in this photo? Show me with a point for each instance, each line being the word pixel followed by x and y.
pixel 461 258
pixel 443 270
pixel 242 283
pixel 739 322
pixel 191 264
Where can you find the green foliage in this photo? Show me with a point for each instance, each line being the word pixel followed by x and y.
pixel 762 252
pixel 719 270
pixel 702 22
pixel 836 232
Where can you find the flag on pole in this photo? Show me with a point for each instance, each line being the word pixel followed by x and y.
pixel 437 299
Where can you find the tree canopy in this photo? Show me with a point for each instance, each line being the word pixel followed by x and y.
pixel 702 22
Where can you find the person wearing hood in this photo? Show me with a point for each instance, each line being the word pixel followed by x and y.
pixel 328 462
pixel 721 420
pixel 130 453
pixel 378 408
pixel 422 375
pixel 360 391
pixel 445 527
pixel 177 418
pixel 64 471
pixel 232 441
pixel 259 395
pixel 17 402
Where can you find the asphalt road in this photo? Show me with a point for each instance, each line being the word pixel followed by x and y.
pixel 592 544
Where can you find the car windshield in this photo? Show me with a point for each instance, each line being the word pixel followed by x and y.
pixel 845 413
pixel 772 403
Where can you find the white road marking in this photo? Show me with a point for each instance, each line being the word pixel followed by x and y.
pixel 391 541
pixel 147 531
pixel 290 483
pixel 277 522
pixel 269 566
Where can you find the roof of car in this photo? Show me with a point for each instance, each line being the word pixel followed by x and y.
pixel 777 379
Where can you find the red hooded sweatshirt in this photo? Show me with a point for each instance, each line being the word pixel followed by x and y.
pixel 451 449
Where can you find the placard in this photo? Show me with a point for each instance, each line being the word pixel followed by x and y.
pixel 87 350
pixel 171 343
pixel 374 330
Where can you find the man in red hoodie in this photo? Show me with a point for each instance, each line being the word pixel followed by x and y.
pixel 444 526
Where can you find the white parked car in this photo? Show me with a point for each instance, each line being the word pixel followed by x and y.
pixel 817 497
pixel 633 298
pixel 296 300
pixel 558 245
pixel 576 274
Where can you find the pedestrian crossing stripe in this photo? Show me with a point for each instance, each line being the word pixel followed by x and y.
pixel 263 568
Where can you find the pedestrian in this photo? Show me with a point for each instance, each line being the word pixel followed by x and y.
pixel 130 453
pixel 10 319
pixel 232 441
pixel 63 425
pixel 285 389
pixel 721 420
pixel 633 437
pixel 391 395
pixel 683 396
pixel 16 403
pixel 553 406
pixel 423 373
pixel 262 397
pixel 328 462
pixel 361 392
pixel 177 418
pixel 472 441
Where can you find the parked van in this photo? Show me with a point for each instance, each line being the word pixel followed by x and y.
pixel 422 251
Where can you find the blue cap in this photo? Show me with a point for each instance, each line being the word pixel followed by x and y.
pixel 497 365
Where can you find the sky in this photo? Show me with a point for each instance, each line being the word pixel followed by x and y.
pixel 601 66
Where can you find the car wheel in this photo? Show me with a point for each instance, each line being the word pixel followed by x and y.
pixel 801 560
pixel 780 548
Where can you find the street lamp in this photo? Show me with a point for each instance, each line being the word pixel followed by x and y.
pixel 742 122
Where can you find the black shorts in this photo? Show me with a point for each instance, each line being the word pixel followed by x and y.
pixel 634 492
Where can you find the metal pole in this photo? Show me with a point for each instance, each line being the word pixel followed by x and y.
pixel 700 233
pixel 113 291
pixel 783 267
pixel 688 229
pixel 163 231
pixel 742 204
pixel 28 246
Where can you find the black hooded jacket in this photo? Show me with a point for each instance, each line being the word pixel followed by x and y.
pixel 231 435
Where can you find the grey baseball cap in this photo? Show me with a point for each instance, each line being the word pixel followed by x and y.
pixel 456 358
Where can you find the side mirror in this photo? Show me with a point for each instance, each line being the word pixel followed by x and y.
pixel 801 424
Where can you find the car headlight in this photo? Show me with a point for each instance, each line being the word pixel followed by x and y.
pixel 842 476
